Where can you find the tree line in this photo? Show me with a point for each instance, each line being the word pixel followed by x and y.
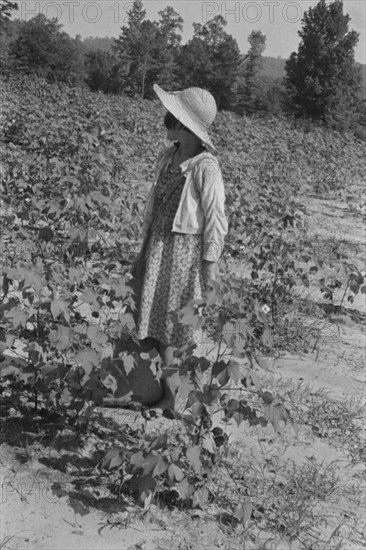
pixel 322 81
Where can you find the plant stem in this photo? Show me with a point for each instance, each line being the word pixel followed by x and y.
pixel 36 395
pixel 344 293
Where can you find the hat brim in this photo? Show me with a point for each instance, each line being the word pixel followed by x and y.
pixel 172 104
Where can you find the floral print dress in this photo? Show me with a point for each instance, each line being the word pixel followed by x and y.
pixel 173 268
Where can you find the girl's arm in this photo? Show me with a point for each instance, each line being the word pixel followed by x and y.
pixel 209 272
pixel 212 193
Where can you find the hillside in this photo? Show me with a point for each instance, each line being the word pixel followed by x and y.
pixel 94 43
pixel 274 68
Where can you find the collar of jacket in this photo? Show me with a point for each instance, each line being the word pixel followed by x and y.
pixel 186 165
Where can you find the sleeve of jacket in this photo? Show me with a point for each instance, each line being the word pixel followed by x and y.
pixel 213 204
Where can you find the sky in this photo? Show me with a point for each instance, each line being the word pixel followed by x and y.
pixel 279 20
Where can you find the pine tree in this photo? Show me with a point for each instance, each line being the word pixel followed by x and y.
pixel 104 72
pixel 250 88
pixel 150 47
pixel 210 60
pixel 6 9
pixel 170 25
pixel 131 47
pixel 41 48
pixel 8 33
pixel 321 80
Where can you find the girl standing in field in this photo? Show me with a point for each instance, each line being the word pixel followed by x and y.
pixel 184 226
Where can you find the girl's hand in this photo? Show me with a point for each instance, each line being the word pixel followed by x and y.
pixel 209 272
pixel 136 267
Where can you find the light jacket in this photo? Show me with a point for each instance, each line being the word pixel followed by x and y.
pixel 201 207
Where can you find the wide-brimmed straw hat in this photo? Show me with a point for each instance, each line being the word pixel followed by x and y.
pixel 195 108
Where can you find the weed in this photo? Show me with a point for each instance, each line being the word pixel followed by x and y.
pixel 285 498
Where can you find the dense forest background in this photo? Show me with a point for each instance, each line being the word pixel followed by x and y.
pixel 321 83
pixel 272 69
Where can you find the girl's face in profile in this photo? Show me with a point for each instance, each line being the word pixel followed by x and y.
pixel 173 126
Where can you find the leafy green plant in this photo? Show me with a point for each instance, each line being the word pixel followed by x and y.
pixel 75 171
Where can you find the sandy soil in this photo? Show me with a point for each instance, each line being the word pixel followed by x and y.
pixel 33 517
